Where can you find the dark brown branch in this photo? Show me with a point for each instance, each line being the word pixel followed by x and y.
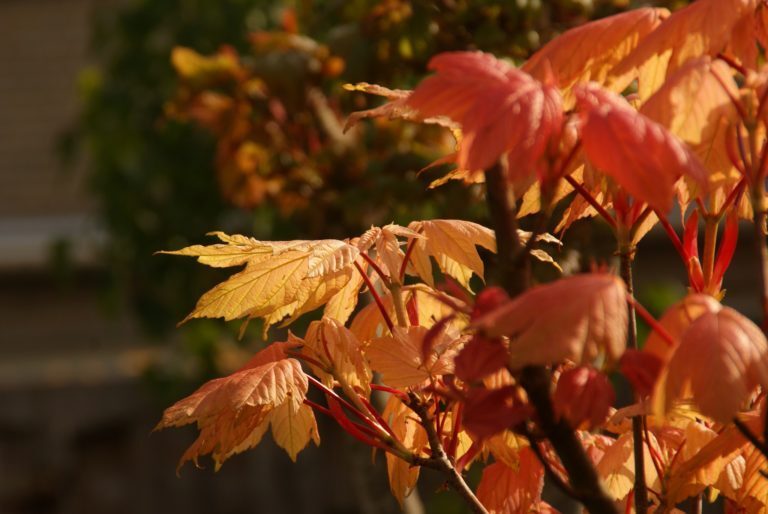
pixel 515 279
pixel 584 481
pixel 641 488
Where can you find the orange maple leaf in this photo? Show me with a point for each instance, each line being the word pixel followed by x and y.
pixel 722 357
pixel 642 156
pixel 233 412
pixel 506 490
pixel 501 110
pixel 703 28
pixel 574 318
pixel 590 51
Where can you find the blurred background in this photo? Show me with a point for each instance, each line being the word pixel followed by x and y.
pixel 132 126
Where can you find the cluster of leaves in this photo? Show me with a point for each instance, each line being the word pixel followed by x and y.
pixel 623 119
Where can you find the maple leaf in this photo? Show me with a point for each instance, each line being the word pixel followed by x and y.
pixel 480 357
pixel 488 412
pixel 701 28
pixel 501 110
pixel 686 480
pixel 280 278
pixel 583 396
pixel 611 134
pixel 505 490
pixel 722 357
pixel 396 107
pixel 753 494
pixel 452 244
pixel 590 51
pixel 695 103
pixel 293 428
pixel 676 320
pixel 617 466
pixel 398 356
pixel 331 344
pixel 505 447
pixel 402 475
pixel 385 241
pixel 232 412
pixel 592 306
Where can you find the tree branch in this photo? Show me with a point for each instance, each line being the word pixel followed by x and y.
pixel 536 380
pixel 439 459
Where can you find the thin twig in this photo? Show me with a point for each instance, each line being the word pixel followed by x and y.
pixel 626 252
pixel 376 297
pixel 440 459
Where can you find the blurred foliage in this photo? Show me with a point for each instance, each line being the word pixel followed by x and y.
pixel 240 127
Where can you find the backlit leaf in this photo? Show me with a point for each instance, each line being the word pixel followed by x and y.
pixel 590 51
pixel 452 244
pixel 398 357
pixel 505 490
pixel 701 28
pixel 293 427
pixel 722 357
pixel 232 412
pixel 280 279
pixel 405 425
pixel 329 342
pixel 592 306
pixel 501 110
pixel 642 156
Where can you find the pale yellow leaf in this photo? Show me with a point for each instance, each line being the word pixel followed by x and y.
pixel 452 244
pixel 293 427
pixel 404 423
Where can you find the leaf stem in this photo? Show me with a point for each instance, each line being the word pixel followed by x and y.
pixel 591 200
pixel 514 278
pixel 406 258
pixel 383 276
pixel 396 290
pixel 376 297
pixel 669 229
pixel 710 245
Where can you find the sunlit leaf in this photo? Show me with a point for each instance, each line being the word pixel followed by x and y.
pixel 592 306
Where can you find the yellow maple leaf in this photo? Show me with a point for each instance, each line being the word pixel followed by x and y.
pixel 704 27
pixel 280 278
pixel 293 427
pixel 405 425
pixel 452 244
